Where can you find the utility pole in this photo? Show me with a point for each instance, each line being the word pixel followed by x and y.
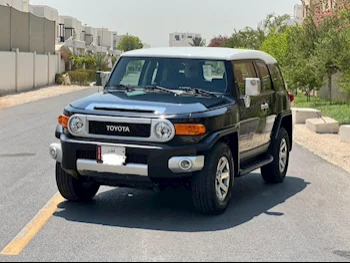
pixel 101 50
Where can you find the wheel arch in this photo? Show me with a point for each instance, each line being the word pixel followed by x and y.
pixel 284 120
pixel 233 143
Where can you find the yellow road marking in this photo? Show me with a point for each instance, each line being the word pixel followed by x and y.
pixel 17 245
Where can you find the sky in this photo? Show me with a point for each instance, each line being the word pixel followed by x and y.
pixel 153 20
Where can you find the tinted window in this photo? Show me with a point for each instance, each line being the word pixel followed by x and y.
pixel 264 76
pixel 242 71
pixel 171 73
pixel 277 77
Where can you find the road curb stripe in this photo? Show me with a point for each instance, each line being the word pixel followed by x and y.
pixel 16 246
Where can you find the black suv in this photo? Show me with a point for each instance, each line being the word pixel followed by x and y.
pixel 167 116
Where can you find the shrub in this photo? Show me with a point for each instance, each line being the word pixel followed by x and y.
pixel 91 74
pixel 79 77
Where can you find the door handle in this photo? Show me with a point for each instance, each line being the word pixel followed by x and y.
pixel 264 106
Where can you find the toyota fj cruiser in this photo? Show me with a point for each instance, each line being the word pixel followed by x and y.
pixel 194 116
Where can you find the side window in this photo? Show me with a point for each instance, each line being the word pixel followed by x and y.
pixel 242 71
pixel 277 77
pixel 264 76
pixel 133 73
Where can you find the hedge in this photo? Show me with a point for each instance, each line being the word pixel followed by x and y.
pixel 91 74
pixel 79 77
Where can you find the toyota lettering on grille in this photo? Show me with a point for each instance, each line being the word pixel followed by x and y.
pixel 112 128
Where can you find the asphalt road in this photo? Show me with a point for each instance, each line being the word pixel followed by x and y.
pixel 305 219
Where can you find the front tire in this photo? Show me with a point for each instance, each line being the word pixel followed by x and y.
pixel 275 172
pixel 212 187
pixel 73 189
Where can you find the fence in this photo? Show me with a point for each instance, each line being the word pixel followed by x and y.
pixel 20 71
pixel 25 31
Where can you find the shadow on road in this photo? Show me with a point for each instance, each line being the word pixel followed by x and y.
pixel 173 211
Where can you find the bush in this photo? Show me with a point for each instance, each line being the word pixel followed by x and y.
pixel 79 77
pixel 91 74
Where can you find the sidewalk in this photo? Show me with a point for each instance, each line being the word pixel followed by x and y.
pixel 327 146
pixel 35 95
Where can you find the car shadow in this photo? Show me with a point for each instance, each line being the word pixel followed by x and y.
pixel 172 210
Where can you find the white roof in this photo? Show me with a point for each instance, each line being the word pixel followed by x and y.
pixel 202 53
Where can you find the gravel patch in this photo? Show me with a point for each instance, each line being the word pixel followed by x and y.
pixel 35 95
pixel 327 146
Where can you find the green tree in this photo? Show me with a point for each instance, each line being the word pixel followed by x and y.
pixel 197 42
pixel 128 43
pixel 248 38
pixel 276 44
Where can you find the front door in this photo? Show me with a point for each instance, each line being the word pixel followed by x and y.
pixel 253 118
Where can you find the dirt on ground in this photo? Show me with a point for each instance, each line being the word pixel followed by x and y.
pixel 327 146
pixel 35 95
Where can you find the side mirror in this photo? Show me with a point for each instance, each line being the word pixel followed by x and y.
pixel 253 87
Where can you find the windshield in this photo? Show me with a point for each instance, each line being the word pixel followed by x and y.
pixel 174 74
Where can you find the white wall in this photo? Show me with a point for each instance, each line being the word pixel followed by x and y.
pixel 25 71
pixel 41 76
pixel 336 93
pixel 62 66
pixel 53 68
pixel 7 72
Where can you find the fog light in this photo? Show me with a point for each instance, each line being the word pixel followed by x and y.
pixel 53 152
pixel 185 164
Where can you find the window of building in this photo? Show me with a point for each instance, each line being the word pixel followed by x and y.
pixel 242 71
pixel 265 77
pixel 177 38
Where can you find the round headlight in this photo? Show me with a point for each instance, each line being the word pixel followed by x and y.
pixel 163 131
pixel 76 125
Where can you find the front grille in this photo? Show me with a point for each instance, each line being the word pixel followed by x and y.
pixel 120 129
pixel 130 158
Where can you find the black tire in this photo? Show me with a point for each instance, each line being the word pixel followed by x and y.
pixel 73 189
pixel 272 173
pixel 204 195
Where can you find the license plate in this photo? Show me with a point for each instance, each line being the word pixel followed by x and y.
pixel 111 155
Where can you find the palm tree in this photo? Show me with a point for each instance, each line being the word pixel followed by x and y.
pixel 197 42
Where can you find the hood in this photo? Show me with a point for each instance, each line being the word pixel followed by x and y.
pixel 154 103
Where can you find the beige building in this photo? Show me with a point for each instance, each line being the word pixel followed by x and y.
pixel 298 11
pixel 182 39
pixel 323 5
pixel 20 5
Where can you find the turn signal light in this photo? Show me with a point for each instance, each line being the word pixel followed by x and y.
pixel 190 129
pixel 63 121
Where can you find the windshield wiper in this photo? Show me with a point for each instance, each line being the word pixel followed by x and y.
pixel 119 88
pixel 160 89
pixel 198 91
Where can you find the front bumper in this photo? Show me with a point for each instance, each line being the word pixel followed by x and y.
pixel 155 162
